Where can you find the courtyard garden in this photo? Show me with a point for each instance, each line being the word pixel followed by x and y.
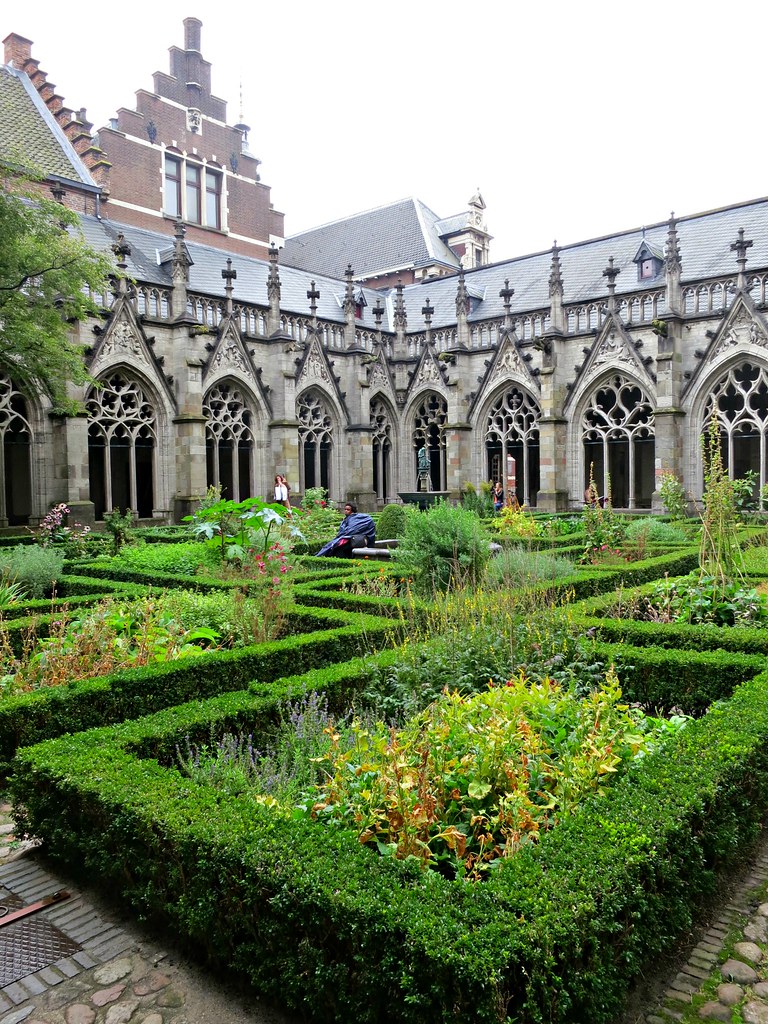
pixel 486 779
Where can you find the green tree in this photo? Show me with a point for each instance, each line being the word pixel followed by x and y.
pixel 45 270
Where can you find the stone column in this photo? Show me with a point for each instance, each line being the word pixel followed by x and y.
pixel 553 480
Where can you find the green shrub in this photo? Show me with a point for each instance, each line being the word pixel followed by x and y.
pixel 183 559
pixel 33 568
pixel 519 567
pixel 391 522
pixel 443 547
pixel 650 530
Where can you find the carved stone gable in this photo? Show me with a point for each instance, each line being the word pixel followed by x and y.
pixel 611 350
pixel 123 342
pixel 509 363
pixel 229 356
pixel 743 329
pixel 315 366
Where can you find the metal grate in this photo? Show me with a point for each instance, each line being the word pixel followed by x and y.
pixel 29 944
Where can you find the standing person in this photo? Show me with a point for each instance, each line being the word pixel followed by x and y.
pixel 498 496
pixel 281 491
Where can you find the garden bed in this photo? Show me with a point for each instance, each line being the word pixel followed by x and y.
pixel 321 925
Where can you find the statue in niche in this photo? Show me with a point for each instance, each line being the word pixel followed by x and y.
pixel 424 464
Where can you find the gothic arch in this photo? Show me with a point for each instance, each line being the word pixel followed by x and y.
pixel 126 419
pixel 231 431
pixel 318 441
pixel 737 394
pixel 508 425
pixel 17 463
pixel 427 419
pixel 383 446
pixel 616 435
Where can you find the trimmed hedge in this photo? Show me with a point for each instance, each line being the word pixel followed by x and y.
pixel 330 636
pixel 320 924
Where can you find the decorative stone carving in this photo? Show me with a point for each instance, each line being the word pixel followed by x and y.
pixel 743 329
pixel 194 120
pixel 123 341
pixel 612 349
pixel 229 356
pixel 315 365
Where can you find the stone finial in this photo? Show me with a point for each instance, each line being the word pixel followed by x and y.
pixel 505 295
pixel 273 278
pixel 378 313
pixel 462 297
pixel 229 275
pixel 673 262
pixel 740 247
pixel 555 273
pixel 349 292
pixel 400 316
pixel 122 250
pixel 427 310
pixel 313 295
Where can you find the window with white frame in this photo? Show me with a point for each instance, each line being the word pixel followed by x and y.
pixel 192 191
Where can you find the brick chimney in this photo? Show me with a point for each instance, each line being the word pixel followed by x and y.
pixel 18 50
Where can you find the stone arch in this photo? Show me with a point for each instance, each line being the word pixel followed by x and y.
pixel 126 418
pixel 383 447
pixel 318 440
pixel 231 430
pixel 18 441
pixel 737 394
pixel 508 425
pixel 427 420
pixel 617 437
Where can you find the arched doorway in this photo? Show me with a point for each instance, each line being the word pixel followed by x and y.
pixel 16 462
pixel 315 440
pixel 381 447
pixel 740 402
pixel 619 442
pixel 512 428
pixel 229 442
pixel 121 446
pixel 429 432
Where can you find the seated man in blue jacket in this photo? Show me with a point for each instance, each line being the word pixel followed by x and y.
pixel 357 530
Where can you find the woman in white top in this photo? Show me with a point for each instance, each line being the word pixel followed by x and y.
pixel 281 491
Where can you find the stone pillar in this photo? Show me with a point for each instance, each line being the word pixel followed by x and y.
pixel 668 415
pixel 553 480
pixel 458 443
pixel 70 460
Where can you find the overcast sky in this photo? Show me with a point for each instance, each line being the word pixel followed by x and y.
pixel 575 119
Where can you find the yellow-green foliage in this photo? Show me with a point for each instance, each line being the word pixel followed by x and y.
pixel 516 522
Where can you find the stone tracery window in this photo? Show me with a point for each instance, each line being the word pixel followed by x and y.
pixel 429 432
pixel 618 432
pixel 512 428
pixel 740 402
pixel 16 450
pixel 315 440
pixel 381 445
pixel 121 446
pixel 229 441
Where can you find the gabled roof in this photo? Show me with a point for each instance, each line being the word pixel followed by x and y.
pixel 389 238
pixel 30 135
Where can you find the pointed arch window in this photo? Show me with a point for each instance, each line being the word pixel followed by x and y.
pixel 618 433
pixel 122 436
pixel 429 432
pixel 740 402
pixel 512 428
pixel 16 450
pixel 381 444
pixel 315 440
pixel 229 441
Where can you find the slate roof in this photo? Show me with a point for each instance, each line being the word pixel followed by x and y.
pixel 400 235
pixel 704 241
pixel 30 134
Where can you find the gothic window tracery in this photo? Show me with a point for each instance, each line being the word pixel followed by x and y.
pixel 315 440
pixel 512 428
pixel 381 445
pixel 16 449
pixel 618 433
pixel 122 426
pixel 740 402
pixel 229 441
pixel 429 432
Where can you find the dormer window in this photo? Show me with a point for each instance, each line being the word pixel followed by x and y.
pixel 649 261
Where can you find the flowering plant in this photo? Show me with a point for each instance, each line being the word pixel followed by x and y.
pixel 53 529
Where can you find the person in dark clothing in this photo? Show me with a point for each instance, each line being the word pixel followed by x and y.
pixel 357 530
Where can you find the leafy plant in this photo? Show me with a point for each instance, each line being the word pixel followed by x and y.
pixel 701 598
pixel 54 529
pixel 118 526
pixel 480 502
pixel 650 529
pixel 603 528
pixel 469 782
pixel 32 568
pixel 516 522
pixel 672 494
pixel 391 522
pixel 745 493
pixel 235 528
pixel 519 567
pixel 442 547
pixel 719 550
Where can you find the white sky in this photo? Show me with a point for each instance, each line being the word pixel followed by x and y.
pixel 575 119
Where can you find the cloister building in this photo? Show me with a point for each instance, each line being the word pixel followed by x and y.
pixel 225 353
